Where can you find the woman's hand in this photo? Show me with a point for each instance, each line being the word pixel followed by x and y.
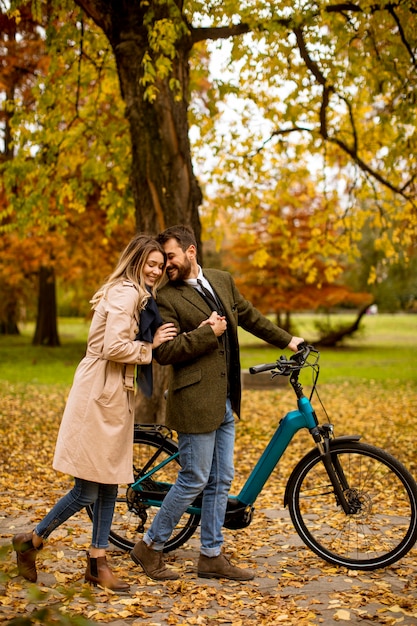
pixel 166 332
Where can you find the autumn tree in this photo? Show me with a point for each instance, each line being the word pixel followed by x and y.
pixel 328 75
pixel 328 85
pixel 21 56
pixel 329 88
pixel 268 256
pixel 395 285
pixel 60 158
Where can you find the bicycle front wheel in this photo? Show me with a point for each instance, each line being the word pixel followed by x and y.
pixel 133 514
pixel 382 526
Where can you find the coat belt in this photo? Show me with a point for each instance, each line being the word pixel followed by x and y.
pixel 129 371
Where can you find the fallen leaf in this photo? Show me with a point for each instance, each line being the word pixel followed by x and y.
pixel 342 615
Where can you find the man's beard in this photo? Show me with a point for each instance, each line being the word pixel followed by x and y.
pixel 182 271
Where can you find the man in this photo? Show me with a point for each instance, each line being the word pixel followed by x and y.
pixel 204 391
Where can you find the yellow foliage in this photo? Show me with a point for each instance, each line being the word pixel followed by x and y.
pixel 260 258
pixel 292 585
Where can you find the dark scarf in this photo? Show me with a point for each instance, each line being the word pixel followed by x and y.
pixel 149 322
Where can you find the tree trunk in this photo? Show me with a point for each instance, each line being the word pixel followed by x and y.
pixel 46 333
pixel 283 320
pixel 333 337
pixel 152 410
pixel 9 312
pixel 164 187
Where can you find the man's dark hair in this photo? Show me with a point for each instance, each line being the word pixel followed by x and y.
pixel 183 234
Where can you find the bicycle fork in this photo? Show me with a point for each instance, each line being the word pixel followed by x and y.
pixel 322 435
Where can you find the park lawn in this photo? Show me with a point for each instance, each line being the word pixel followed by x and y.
pixel 384 350
pixel 20 362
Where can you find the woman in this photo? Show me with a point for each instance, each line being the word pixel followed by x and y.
pixel 95 437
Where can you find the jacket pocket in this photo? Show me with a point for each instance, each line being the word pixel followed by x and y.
pixel 112 383
pixel 185 379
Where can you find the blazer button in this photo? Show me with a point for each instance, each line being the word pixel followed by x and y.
pixel 222 374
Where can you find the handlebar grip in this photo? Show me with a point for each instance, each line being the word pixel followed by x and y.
pixel 302 346
pixel 303 350
pixel 264 367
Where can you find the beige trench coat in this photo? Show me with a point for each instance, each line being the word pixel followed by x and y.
pixel 95 439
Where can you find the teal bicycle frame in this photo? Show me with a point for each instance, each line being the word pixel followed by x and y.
pixel 351 503
pixel 289 425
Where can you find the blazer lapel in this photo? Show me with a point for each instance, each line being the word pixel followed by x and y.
pixel 190 294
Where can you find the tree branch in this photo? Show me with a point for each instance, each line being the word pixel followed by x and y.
pixel 98 10
pixel 221 32
pixel 327 91
pixel 310 63
pixel 391 10
pixel 355 8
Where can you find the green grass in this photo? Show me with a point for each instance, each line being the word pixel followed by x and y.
pixel 22 362
pixel 385 351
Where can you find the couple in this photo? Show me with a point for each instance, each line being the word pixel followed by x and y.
pixel 201 313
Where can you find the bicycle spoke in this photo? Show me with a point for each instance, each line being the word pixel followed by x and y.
pixel 133 514
pixel 383 525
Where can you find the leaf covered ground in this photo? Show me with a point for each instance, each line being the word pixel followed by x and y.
pixel 292 585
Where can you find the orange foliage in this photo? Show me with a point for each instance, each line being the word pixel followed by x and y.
pixel 274 262
pixel 83 234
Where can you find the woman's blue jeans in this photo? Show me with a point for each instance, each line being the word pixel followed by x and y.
pixel 82 494
pixel 206 466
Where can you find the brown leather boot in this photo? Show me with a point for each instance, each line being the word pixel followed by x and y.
pixel 152 562
pixel 26 554
pixel 99 573
pixel 220 567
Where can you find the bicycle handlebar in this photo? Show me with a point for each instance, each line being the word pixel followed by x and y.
pixel 264 367
pixel 285 366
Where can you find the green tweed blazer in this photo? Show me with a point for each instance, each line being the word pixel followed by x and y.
pixel 198 382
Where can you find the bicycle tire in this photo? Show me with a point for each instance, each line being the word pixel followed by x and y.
pixel 127 525
pixel 384 527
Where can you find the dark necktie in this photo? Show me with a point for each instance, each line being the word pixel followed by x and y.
pixel 211 300
pixel 215 305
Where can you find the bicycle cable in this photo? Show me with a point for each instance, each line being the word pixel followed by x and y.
pixel 316 371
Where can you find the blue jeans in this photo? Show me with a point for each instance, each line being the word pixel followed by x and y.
pixel 83 493
pixel 206 466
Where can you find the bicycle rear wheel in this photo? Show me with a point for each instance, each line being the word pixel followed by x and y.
pixel 133 515
pixel 383 495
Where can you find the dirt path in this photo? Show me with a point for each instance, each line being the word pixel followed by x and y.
pixel 291 586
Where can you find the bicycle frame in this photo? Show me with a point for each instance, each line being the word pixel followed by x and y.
pixel 351 503
pixel 289 425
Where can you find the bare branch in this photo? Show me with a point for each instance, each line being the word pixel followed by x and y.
pixel 310 63
pixel 367 168
pixel 342 7
pixel 352 152
pixel 323 112
pixel 391 10
pixel 221 32
pixel 327 91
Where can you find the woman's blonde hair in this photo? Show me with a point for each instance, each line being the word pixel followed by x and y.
pixel 130 267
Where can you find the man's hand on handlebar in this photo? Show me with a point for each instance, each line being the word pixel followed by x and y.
pixel 294 343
